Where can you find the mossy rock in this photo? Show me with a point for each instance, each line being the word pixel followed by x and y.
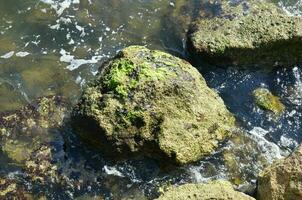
pixel 283 179
pixel 151 103
pixel 267 101
pixel 248 34
pixel 215 190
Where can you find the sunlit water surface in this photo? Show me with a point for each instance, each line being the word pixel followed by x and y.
pixel 53 47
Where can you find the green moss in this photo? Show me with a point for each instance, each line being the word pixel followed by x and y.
pixel 135 118
pixel 125 76
pixel 119 76
pixel 267 101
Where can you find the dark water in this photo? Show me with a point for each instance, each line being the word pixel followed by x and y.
pixel 53 47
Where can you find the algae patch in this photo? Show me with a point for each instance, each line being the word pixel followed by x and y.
pixel 267 101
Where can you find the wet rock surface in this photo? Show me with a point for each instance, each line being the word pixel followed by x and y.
pixel 150 102
pixel 283 179
pixel 246 33
pixel 214 190
pixel 11 189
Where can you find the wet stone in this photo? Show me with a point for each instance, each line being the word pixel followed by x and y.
pixel 25 137
pixel 247 34
pixel 150 103
pixel 267 101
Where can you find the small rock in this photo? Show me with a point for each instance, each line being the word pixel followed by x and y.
pixel 267 101
pixel 11 189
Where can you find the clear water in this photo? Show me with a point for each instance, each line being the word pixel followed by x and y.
pixel 53 47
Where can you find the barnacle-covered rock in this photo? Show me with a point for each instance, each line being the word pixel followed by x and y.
pixel 247 33
pixel 153 104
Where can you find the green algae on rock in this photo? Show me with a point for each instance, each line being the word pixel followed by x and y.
pixel 253 33
pixel 213 190
pixel 267 101
pixel 283 179
pixel 151 103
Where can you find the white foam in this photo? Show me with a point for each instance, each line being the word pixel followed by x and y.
pixel 8 55
pixel 288 142
pixel 197 173
pixel 22 54
pixel 269 149
pixel 296 98
pixel 60 7
pixel 76 63
pixel 293 9
pixel 112 171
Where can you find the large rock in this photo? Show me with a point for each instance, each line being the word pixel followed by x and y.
pixel 247 33
pixel 152 103
pixel 282 180
pixel 215 190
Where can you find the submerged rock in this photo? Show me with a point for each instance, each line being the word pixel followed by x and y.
pixel 27 140
pixel 213 190
pixel 11 189
pixel 33 146
pixel 283 179
pixel 247 33
pixel 153 104
pixel 267 101
pixel 243 158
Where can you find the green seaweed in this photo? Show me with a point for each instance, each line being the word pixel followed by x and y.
pixel 267 101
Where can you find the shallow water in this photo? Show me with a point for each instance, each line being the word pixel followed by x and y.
pixel 53 47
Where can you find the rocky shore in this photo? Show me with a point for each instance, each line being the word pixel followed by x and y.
pixel 149 104
pixel 250 33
